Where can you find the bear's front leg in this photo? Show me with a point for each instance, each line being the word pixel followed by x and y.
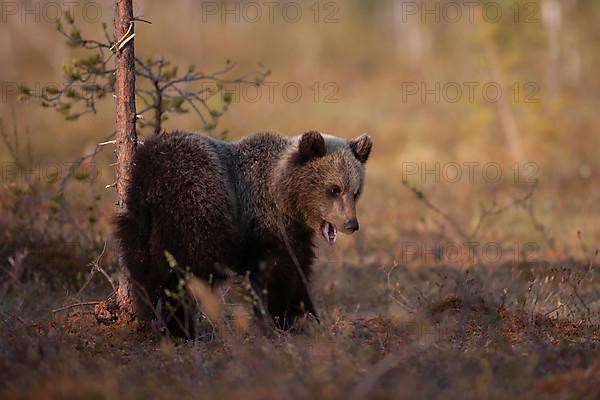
pixel 288 297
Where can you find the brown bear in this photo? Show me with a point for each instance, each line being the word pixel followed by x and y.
pixel 250 207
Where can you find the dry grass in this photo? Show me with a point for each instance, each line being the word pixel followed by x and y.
pixel 466 335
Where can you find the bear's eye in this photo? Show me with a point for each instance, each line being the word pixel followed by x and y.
pixel 334 191
pixel 356 195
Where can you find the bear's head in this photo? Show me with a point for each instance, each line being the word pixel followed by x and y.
pixel 321 179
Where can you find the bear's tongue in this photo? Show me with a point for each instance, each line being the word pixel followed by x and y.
pixel 329 233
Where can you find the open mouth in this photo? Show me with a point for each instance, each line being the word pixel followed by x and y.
pixel 329 232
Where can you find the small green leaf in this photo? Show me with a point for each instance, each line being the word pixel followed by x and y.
pixel 24 90
pixel 52 90
pixel 170 259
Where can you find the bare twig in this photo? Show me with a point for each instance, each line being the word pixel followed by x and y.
pixel 82 304
pixel 21 320
pixel 523 201
pixel 578 296
pixel 97 268
pixel 63 186
pixel 396 296
pixel 499 210
pixel 421 196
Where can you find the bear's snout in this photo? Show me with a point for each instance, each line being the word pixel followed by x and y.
pixel 351 225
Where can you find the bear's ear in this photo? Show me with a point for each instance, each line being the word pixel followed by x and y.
pixel 311 145
pixel 361 147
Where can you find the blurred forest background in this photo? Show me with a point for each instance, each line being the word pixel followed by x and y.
pixel 419 77
pixel 364 66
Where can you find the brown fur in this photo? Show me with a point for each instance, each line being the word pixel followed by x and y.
pixel 220 207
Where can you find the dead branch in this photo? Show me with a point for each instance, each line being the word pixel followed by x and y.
pixel 82 304
pixel 421 196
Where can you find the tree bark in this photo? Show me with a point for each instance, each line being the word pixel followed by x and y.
pixel 126 138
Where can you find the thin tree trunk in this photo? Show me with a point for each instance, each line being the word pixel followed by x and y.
pixel 126 138
pixel 507 119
